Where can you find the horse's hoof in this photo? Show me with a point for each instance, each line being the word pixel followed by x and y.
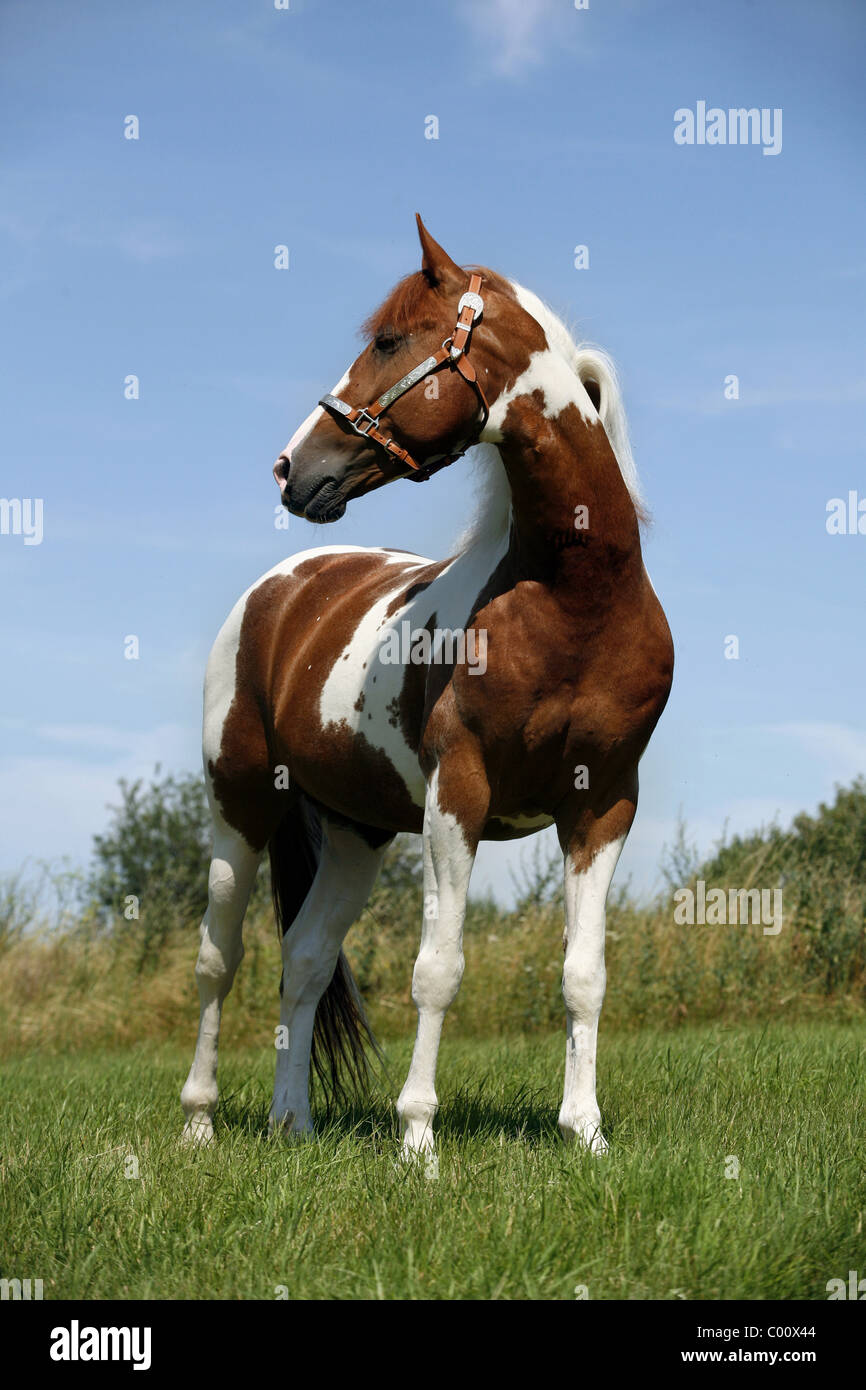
pixel 425 1156
pixel 585 1134
pixel 197 1132
pixel 286 1127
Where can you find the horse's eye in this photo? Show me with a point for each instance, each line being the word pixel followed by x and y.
pixel 387 342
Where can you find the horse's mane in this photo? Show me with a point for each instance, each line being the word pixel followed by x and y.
pixel 595 369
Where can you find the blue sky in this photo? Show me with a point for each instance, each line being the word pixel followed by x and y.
pixel 306 127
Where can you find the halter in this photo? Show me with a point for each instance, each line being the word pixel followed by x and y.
pixel 364 420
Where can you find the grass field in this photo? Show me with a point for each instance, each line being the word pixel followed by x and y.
pixel 513 1214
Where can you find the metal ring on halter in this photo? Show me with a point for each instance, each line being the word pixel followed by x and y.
pixel 453 352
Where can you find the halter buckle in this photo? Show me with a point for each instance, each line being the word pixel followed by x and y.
pixel 471 300
pixel 364 415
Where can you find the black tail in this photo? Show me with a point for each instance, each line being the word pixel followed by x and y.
pixel 341 1032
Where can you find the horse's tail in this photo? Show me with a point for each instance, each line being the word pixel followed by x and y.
pixel 341 1032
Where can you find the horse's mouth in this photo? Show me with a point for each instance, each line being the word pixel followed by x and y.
pixel 325 504
pixel 332 513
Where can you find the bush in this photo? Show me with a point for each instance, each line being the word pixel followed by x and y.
pixel 820 863
pixel 159 838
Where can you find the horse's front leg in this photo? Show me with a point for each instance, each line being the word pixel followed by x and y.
pixel 589 869
pixel 449 853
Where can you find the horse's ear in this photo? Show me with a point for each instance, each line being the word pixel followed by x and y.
pixel 436 264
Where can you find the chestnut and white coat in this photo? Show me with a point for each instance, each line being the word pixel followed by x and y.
pixel 578 666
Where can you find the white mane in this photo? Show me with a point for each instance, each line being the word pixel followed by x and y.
pixel 589 363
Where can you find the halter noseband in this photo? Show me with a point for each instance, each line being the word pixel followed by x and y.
pixel 454 351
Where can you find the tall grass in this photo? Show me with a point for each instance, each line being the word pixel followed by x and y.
pixel 81 984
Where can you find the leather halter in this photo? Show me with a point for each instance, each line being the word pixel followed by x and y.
pixel 364 420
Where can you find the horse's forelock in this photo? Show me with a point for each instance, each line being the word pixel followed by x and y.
pixel 412 304
pixel 415 304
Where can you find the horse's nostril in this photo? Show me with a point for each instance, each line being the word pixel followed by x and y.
pixel 281 469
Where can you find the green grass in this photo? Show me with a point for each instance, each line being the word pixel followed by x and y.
pixel 513 1214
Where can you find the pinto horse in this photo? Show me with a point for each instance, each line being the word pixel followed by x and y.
pixel 538 663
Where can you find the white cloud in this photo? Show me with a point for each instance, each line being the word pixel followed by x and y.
pixel 841 748
pixel 53 804
pixel 513 33
pixel 142 240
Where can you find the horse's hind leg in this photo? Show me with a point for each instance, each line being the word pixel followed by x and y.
pixel 343 881
pixel 232 871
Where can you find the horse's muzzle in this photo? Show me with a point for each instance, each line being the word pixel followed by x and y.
pixel 314 498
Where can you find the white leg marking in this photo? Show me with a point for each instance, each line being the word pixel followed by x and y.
pixel 448 861
pixel 345 877
pixel 583 982
pixel 232 871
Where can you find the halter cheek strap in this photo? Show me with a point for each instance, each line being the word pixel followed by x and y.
pixel 454 353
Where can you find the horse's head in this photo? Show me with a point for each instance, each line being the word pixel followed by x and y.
pixel 417 395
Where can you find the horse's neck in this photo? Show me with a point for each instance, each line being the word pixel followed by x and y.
pixel 572 514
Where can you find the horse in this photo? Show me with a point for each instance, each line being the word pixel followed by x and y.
pixel 523 679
